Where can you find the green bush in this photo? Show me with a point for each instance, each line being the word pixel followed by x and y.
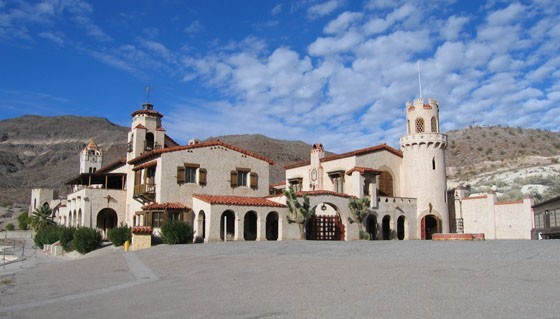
pixel 86 240
pixel 173 233
pixel 66 236
pixel 23 221
pixel 47 235
pixel 10 226
pixel 364 235
pixel 119 235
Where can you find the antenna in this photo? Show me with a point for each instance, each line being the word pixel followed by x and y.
pixel 147 88
pixel 419 79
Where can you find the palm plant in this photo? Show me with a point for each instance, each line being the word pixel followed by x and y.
pixel 299 212
pixel 41 217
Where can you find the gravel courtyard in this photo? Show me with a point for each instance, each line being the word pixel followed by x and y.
pixel 296 279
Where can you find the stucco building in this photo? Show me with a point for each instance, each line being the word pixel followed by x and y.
pixel 224 191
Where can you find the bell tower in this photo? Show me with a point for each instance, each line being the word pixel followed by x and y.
pixel 424 166
pixel 146 133
pixel 90 158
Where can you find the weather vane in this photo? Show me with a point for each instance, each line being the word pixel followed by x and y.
pixel 147 88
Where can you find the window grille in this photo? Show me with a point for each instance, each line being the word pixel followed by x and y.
pixel 420 125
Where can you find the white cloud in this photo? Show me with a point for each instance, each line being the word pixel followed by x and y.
pixel 194 27
pixel 453 27
pixel 323 9
pixel 342 22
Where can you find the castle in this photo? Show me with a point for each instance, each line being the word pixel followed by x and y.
pixel 223 191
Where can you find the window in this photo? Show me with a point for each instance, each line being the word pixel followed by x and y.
pixel 337 179
pixel 434 163
pixel 420 125
pixel 175 216
pixel 385 184
pixel 434 125
pixel 244 177
pixel 190 174
pixel 157 219
pixel 296 183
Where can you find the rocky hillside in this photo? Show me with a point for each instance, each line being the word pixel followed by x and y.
pixel 43 152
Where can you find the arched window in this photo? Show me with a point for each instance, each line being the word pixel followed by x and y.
pixel 434 125
pixel 408 126
pixel 419 125
pixel 149 141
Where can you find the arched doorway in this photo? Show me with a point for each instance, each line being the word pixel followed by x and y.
pixel 202 224
pixel 429 226
pixel 325 224
pixel 272 226
pixel 385 184
pixel 250 226
pixel 106 219
pixel 400 228
pixel 386 227
pixel 371 226
pixel 229 217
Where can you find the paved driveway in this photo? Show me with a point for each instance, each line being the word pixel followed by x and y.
pixel 297 279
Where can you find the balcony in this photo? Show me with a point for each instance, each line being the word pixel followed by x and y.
pixel 145 193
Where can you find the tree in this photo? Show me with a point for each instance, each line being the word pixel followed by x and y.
pixel 23 221
pixel 360 209
pixel 299 212
pixel 41 217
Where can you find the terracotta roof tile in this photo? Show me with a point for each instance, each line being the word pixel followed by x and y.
pixel 161 129
pixel 140 126
pixel 510 203
pixel 155 153
pixel 147 112
pixel 298 164
pixel 475 197
pixel 118 163
pixel 145 165
pixel 282 183
pixel 161 206
pixel 238 200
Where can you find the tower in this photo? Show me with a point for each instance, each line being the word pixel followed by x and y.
pixel 90 158
pixel 316 171
pixel 146 133
pixel 424 167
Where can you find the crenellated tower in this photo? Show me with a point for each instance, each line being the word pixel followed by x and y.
pixel 146 133
pixel 424 167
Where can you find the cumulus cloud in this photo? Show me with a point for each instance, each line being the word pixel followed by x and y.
pixel 323 9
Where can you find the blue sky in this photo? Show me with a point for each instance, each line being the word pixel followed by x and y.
pixel 332 71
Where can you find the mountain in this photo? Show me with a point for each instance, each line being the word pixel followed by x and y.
pixel 43 152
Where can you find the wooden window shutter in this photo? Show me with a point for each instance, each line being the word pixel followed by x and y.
pixel 180 174
pixel 233 178
pixel 254 180
pixel 202 176
pixel 138 177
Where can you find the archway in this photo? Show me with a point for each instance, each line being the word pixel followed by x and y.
pixel 202 224
pixel 429 226
pixel 229 217
pixel 371 226
pixel 149 141
pixel 400 228
pixel 325 223
pixel 386 227
pixel 250 226
pixel 106 219
pixel 272 226
pixel 80 217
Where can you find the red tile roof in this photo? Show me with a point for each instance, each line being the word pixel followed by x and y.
pixel 363 151
pixel 118 163
pixel 147 112
pixel 161 129
pixel 510 203
pixel 140 126
pixel 238 200
pixel 282 183
pixel 363 170
pixel 145 165
pixel 475 197
pixel 166 206
pixel 156 153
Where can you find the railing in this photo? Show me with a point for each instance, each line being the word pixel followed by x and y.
pixel 144 189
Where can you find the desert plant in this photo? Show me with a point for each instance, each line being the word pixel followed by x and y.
pixel 66 236
pixel 299 212
pixel 23 221
pixel 41 218
pixel 10 226
pixel 47 235
pixel 86 240
pixel 176 232
pixel 359 207
pixel 119 235
pixel 364 235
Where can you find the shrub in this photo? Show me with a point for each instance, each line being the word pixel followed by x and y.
pixel 66 237
pixel 364 235
pixel 86 240
pixel 173 233
pixel 10 226
pixel 119 235
pixel 23 221
pixel 47 235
